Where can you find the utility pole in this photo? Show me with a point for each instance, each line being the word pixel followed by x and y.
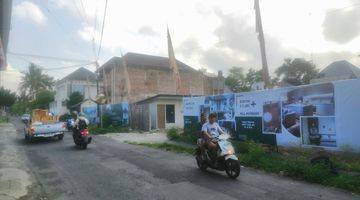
pixel 97 93
pixel 259 30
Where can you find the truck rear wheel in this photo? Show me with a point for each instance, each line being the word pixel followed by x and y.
pixel 61 136
pixel 28 138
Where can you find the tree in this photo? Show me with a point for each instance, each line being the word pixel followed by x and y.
pixel 75 98
pixel 253 76
pixel 236 80
pixel 22 104
pixel 43 99
pixel 297 71
pixel 7 98
pixel 34 81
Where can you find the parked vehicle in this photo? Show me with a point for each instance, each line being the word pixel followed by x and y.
pixel 25 118
pixel 225 160
pixel 81 133
pixel 42 124
pixel 70 124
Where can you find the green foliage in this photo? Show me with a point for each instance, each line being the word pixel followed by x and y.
pixel 7 98
pixel 172 133
pixel 4 119
pixel 345 181
pixel 317 173
pixel 295 163
pixel 253 76
pixel 22 105
pixel 236 80
pixel 167 147
pixel 297 71
pixel 43 98
pixel 176 135
pixel 34 81
pixel 110 129
pixel 64 117
pixel 74 99
pixel 106 121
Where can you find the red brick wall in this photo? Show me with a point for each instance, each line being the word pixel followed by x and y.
pixel 150 82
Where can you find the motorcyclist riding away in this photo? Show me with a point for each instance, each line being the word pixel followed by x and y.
pixel 81 121
pixel 210 131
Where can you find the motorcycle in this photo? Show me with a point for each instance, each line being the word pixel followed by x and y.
pixel 225 160
pixel 81 135
pixel 70 124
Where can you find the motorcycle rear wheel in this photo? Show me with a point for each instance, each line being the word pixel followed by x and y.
pixel 232 168
pixel 84 146
pixel 201 163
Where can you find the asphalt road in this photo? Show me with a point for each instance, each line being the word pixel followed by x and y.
pixel 109 169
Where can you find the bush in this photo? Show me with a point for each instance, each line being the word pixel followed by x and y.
pixel 346 182
pixel 186 137
pixel 173 133
pixel 4 119
pixel 64 117
pixel 295 168
pixel 240 146
pixel 106 121
pixel 317 173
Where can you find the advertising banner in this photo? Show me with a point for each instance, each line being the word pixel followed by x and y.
pixel 249 104
pixel 224 107
pixel 116 114
pixel 191 105
pixel 250 128
pixel 308 113
pixel 90 113
pixel 323 115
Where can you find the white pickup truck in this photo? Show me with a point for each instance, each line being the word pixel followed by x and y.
pixel 42 124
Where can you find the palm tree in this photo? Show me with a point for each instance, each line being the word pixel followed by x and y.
pixel 34 80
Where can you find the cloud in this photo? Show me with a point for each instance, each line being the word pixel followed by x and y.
pixel 147 31
pixel 29 11
pixel 342 26
pixel 236 45
pixel 11 78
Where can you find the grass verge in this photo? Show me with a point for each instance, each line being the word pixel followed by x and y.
pixel 165 146
pixel 177 135
pixel 4 119
pixel 111 129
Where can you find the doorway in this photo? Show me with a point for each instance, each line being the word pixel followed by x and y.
pixel 161 116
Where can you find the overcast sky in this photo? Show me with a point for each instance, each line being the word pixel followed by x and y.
pixel 210 34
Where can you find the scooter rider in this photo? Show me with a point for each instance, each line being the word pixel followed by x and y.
pixel 81 118
pixel 210 131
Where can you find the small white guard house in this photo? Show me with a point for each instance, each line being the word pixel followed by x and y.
pixel 162 111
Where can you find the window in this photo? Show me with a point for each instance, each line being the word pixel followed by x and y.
pixel 170 113
pixel 78 88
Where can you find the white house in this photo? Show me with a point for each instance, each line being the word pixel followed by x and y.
pixel 81 80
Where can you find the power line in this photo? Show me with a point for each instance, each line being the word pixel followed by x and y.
pixel 102 29
pixel 60 24
pixel 66 67
pixel 83 17
pixel 94 30
pixel 47 57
